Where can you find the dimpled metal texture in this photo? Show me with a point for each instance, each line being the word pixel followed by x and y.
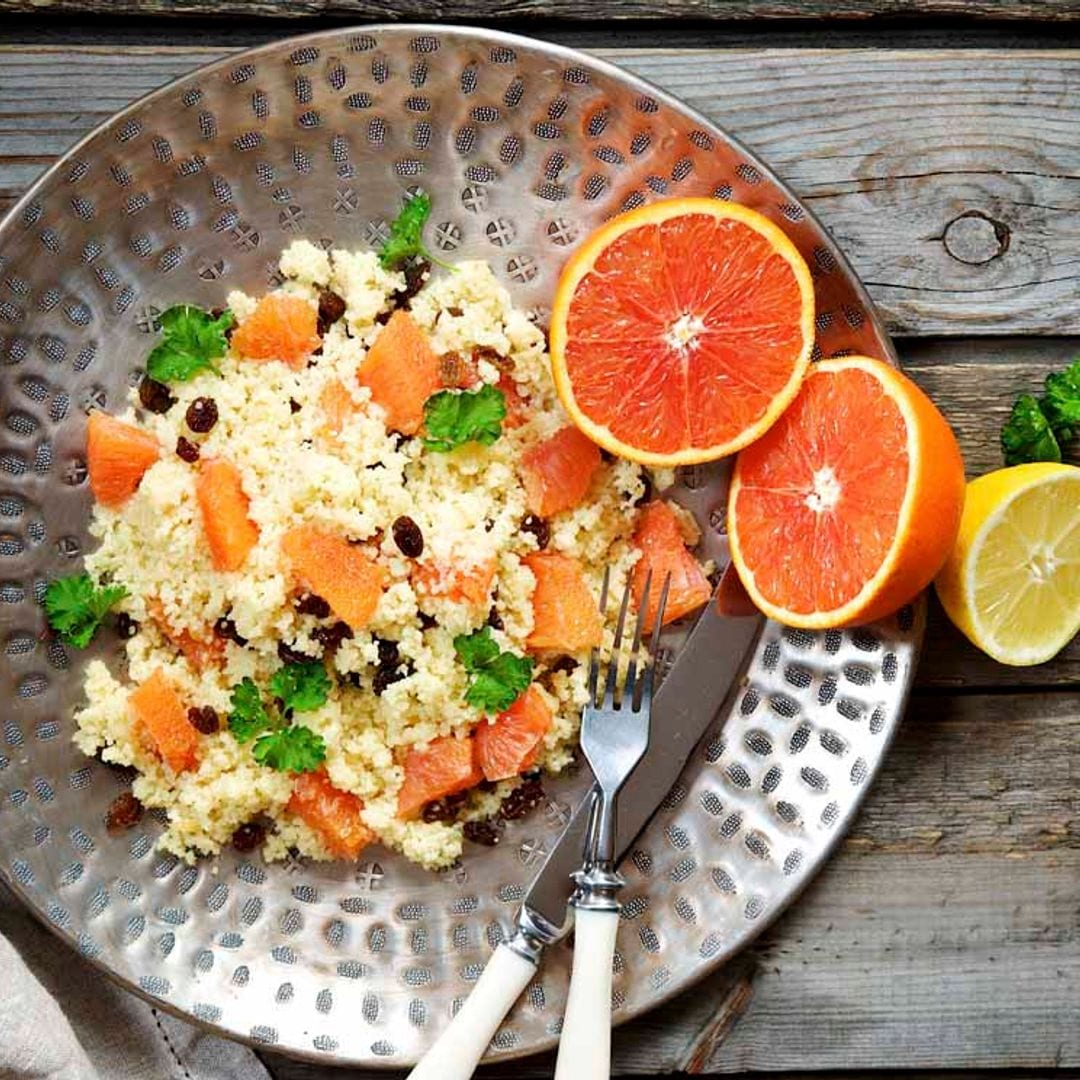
pixel 524 148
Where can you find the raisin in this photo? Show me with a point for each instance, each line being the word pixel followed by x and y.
pixel 126 626
pixel 416 274
pixel 201 415
pixel 331 309
pixel 492 356
pixel 384 677
pixel 444 809
pixel 389 654
pixel 427 622
pixel 494 619
pixel 187 451
pixel 522 800
pixel 288 655
pixel 225 629
pixel 330 637
pixel 383 317
pixel 455 311
pixel 204 720
pixel 294 406
pixel 155 396
pixel 539 528
pixel 124 812
pixel 310 604
pixel 451 369
pixel 564 663
pixel 408 537
pixel 482 832
pixel 248 837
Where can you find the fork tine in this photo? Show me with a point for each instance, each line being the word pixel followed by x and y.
pixel 594 653
pixel 658 624
pixel 616 645
pixel 630 686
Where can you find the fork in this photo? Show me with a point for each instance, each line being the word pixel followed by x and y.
pixel 614 738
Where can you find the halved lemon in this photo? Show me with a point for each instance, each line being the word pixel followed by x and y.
pixel 1012 583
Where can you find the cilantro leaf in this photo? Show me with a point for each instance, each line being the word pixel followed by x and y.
pixel 295 749
pixel 467 416
pixel 248 717
pixel 497 678
pixel 1027 435
pixel 192 341
pixel 75 607
pixel 406 239
pixel 1061 405
pixel 301 687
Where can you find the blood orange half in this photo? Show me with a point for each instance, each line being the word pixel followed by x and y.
pixel 681 331
pixel 849 505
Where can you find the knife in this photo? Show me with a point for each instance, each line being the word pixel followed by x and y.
pixel 683 709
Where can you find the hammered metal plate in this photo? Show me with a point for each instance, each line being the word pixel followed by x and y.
pixel 196 189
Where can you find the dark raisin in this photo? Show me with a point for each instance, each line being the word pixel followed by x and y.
pixel 389 654
pixel 522 800
pixel 289 655
pixel 204 719
pixel 294 406
pixel 384 677
pixel 646 495
pixel 201 415
pixel 225 629
pixel 353 679
pixel 427 622
pixel 383 317
pixel 452 369
pixel 455 311
pixel 248 837
pixel 124 812
pixel 126 626
pixel 331 309
pixel 187 451
pixel 492 356
pixel 494 619
pixel 408 537
pixel 330 637
pixel 564 663
pixel 155 396
pixel 539 528
pixel 416 274
pixel 310 604
pixel 482 832
pixel 444 809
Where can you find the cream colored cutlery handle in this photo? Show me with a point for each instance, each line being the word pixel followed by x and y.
pixel 585 1046
pixel 458 1050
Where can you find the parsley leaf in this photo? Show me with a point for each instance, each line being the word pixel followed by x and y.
pixel 498 678
pixel 1061 405
pixel 295 749
pixel 75 607
pixel 301 687
pixel 468 416
pixel 406 235
pixel 248 717
pixel 1027 435
pixel 193 340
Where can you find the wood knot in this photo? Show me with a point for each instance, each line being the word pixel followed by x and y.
pixel 974 238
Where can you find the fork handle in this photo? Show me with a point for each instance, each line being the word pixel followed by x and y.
pixel 585 1046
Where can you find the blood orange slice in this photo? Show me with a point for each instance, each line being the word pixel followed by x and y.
pixel 162 713
pixel 557 471
pixel 850 504
pixel 444 767
pixel 681 331
pixel 281 327
pixel 334 814
pixel 664 555
pixel 117 455
pixel 508 744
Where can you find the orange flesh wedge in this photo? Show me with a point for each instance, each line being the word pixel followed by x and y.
pixel 117 455
pixel 163 715
pixel 517 408
pixel 681 330
pixel 337 406
pixel 565 612
pixel 444 767
pixel 223 505
pixel 334 814
pixel 402 372
pixel 463 586
pixel 558 470
pixel 508 744
pixel 822 510
pixel 339 572
pixel 281 327
pixel 663 552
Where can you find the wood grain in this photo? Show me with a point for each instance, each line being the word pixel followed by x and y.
pixel 961 222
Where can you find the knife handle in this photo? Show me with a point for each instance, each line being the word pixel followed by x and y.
pixel 585 1046
pixel 458 1050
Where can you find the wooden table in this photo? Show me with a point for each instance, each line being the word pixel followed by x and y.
pixel 943 151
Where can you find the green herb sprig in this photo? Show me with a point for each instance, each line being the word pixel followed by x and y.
pixel 455 418
pixel 406 240
pixel 76 607
pixel 1038 427
pixel 192 341
pixel 497 678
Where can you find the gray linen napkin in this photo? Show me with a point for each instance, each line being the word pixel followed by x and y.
pixel 61 1019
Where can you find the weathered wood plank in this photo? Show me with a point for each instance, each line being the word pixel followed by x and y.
pixel 945 933
pixel 959 223
pixel 502 10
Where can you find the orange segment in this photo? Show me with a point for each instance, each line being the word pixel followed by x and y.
pixel 517 408
pixel 558 470
pixel 339 572
pixel 565 613
pixel 663 551
pixel 201 652
pixel 337 405
pixel 681 330
pixel 163 715
pixel 508 744
pixel 444 767
pixel 848 507
pixel 230 533
pixel 117 455
pixel 334 814
pixel 402 372
pixel 463 585
pixel 281 327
